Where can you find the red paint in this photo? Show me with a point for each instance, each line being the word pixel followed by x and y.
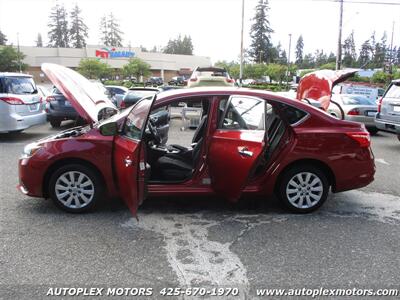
pixel 338 145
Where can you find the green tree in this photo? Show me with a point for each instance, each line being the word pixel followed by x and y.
pixel 276 72
pixel 179 46
pixel 299 50
pixel 110 32
pixel 39 40
pixel 78 31
pixel 260 33
pixel 11 60
pixel 364 58
pixel 136 67
pixel 380 50
pixel 349 51
pixel 58 25
pixel 3 38
pixel 93 68
pixel 381 77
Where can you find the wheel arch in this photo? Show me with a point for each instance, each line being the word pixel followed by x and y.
pixel 313 162
pixel 67 161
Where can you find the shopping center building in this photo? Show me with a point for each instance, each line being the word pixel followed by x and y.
pixel 161 64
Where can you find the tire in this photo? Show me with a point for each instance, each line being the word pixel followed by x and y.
pixel 77 197
pixel 398 137
pixel 312 194
pixel 55 123
pixel 372 130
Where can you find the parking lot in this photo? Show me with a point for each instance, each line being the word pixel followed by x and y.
pixel 352 241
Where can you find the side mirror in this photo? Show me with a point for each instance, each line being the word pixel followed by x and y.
pixel 109 129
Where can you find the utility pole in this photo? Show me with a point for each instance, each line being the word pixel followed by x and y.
pixel 339 48
pixel 288 62
pixel 241 48
pixel 391 57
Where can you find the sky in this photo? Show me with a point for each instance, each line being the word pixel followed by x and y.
pixel 214 25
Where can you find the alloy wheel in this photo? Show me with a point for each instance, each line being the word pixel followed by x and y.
pixel 304 190
pixel 74 189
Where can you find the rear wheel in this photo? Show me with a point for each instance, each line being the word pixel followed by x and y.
pixel 55 123
pixel 303 188
pixel 372 130
pixel 398 137
pixel 75 188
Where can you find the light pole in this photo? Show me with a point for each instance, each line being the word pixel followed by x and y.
pixel 339 47
pixel 288 62
pixel 241 48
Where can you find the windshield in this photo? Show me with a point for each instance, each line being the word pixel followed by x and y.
pixel 394 91
pixel 19 85
pixel 358 100
pixel 133 95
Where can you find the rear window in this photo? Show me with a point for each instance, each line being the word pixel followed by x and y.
pixel 212 73
pixel 394 91
pixel 135 95
pixel 357 101
pixel 18 85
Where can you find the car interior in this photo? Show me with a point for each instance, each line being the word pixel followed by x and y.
pixel 170 157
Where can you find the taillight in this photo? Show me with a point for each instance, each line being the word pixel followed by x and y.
pixel 122 105
pixel 380 104
pixel 363 138
pixel 50 98
pixel 229 80
pixel 353 112
pixel 12 100
pixel 193 79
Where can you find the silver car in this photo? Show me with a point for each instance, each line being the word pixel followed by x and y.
pixel 355 108
pixel 20 104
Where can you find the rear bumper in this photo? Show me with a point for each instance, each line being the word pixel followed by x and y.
pixel 387 125
pixel 367 121
pixel 16 122
pixel 61 115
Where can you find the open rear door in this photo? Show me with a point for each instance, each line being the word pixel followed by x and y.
pixel 237 145
pixel 130 156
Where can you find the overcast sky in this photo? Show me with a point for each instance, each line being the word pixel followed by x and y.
pixel 214 25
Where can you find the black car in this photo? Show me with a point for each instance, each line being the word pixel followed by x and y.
pixel 155 81
pixel 177 80
pixel 59 109
pixel 388 116
pixel 135 94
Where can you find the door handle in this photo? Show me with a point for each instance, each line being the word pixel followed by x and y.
pixel 245 152
pixel 128 162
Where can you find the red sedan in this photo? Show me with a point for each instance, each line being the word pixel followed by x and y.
pixel 247 142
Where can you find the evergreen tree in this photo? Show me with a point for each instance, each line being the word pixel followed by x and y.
pixel 58 25
pixel 39 40
pixel 380 49
pixel 3 38
pixel 260 33
pixel 104 36
pixel 349 51
pixel 179 46
pixel 187 45
pixel 320 58
pixel 114 31
pixel 78 31
pixel 299 50
pixel 365 54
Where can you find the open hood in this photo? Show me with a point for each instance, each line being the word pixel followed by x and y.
pixel 85 97
pixel 318 85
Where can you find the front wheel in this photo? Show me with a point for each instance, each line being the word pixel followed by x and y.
pixel 75 188
pixel 303 188
pixel 55 123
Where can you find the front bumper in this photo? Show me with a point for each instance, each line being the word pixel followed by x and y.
pixel 16 122
pixel 31 176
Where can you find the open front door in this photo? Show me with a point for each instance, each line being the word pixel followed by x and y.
pixel 237 145
pixel 130 156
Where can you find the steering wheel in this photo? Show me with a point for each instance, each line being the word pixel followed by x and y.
pixel 154 132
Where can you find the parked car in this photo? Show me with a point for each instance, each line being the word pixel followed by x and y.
pixel 43 92
pixel 135 94
pixel 117 93
pixel 59 109
pixel 155 81
pixel 355 108
pixel 177 80
pixel 20 103
pixel 210 76
pixel 248 142
pixel 388 116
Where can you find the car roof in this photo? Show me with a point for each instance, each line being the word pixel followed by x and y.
pixel 143 89
pixel 13 74
pixel 116 86
pixel 396 81
pixel 210 69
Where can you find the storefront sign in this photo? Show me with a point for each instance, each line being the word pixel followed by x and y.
pixel 112 53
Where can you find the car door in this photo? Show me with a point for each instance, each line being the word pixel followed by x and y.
pixel 237 144
pixel 130 156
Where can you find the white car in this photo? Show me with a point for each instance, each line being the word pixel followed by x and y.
pixel 20 103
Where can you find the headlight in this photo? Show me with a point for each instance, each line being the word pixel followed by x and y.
pixel 31 149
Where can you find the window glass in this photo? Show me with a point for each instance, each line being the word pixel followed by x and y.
pixel 393 92
pixel 136 119
pixel 246 113
pixel 291 114
pixel 357 100
pixel 19 85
